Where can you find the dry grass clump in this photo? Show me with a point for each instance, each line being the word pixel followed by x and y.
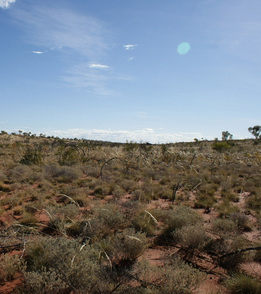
pixel 10 265
pixel 20 173
pixel 144 221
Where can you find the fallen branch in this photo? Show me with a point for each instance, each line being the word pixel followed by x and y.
pixel 240 251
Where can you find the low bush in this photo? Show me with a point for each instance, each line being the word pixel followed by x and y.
pixel 224 227
pixel 145 222
pixel 63 174
pixel 254 202
pixel 9 266
pixel 242 284
pixel 128 245
pixel 175 277
pixel 59 264
pixel 19 173
pixel 179 217
pixel 192 237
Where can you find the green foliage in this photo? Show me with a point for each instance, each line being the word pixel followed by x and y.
pixel 224 227
pixel 175 277
pixel 226 136
pixel 242 284
pixel 255 131
pixel 110 218
pixel 69 156
pixel 192 237
pixel 64 174
pixel 62 264
pixel 32 156
pixel 221 146
pixel 145 222
pixel 128 245
pixel 254 201
pixel 179 217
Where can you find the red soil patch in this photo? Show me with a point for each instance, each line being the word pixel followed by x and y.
pixel 9 287
pixel 252 268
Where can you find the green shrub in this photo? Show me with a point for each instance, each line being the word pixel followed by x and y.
pixel 128 245
pixel 32 156
pixel 63 174
pixel 241 221
pixel 61 264
pixel 179 217
pixel 204 201
pixel 241 284
pixel 175 277
pixel 110 218
pixel 225 209
pixel 20 173
pixel 192 237
pixel 44 282
pixel 221 146
pixel 254 202
pixel 231 262
pixel 223 226
pixel 145 222
pixel 70 156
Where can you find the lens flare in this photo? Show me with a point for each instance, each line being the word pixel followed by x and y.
pixel 183 48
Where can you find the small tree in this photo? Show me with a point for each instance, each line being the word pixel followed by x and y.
pixel 255 131
pixel 226 136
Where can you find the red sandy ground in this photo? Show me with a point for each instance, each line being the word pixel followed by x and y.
pixel 157 254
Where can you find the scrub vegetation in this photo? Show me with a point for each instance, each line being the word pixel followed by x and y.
pixel 80 216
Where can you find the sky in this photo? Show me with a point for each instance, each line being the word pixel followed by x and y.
pixel 154 71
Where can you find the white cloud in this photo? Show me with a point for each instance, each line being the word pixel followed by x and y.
pixel 144 135
pixel 6 3
pixel 38 52
pixel 129 47
pixel 130 58
pixel 99 66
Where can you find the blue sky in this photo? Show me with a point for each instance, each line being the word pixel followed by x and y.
pixel 141 70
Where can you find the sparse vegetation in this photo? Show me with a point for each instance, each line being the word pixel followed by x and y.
pixel 84 216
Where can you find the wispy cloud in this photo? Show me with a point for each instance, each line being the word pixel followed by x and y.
pixel 143 135
pixel 86 76
pixel 98 66
pixel 38 52
pixel 6 3
pixel 129 47
pixel 62 29
pixel 96 78
pixel 73 35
